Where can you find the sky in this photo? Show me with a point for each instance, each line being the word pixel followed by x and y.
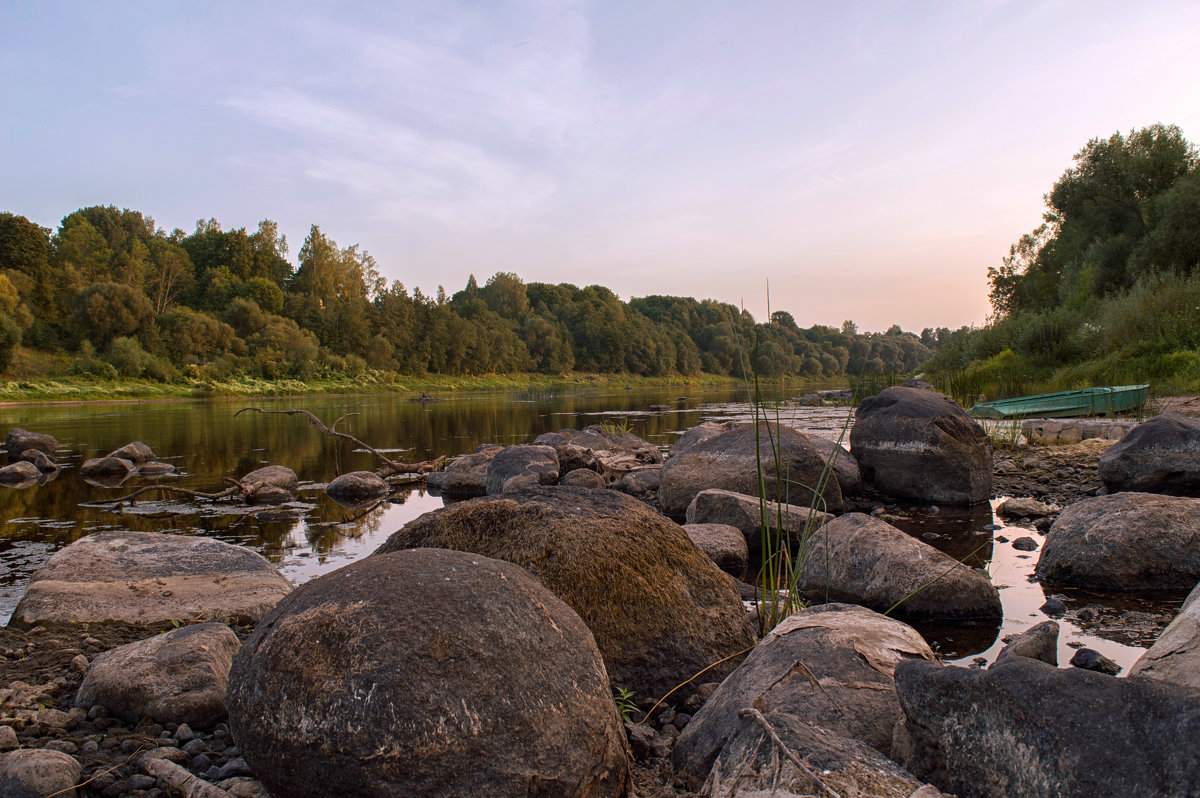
pixel 864 161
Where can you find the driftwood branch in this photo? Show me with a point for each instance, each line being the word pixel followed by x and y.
pixel 389 466
pixel 171 489
pixel 783 749
pixel 179 779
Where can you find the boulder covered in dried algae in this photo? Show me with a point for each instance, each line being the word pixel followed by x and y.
pixel 1125 541
pixel 731 461
pixel 147 579
pixel 756 762
pixel 863 560
pixel 1161 455
pixel 427 672
pixel 918 445
pixel 177 677
pixel 1023 727
pixel 18 441
pixel 660 610
pixel 1175 656
pixel 831 664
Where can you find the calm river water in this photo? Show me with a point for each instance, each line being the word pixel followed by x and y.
pixel 206 442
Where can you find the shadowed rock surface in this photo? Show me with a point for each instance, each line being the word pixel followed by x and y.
pixel 516 467
pixel 863 560
pixel 610 453
pixel 1126 541
pixel 1025 728
pixel 660 610
pixel 147 578
pixel 20 471
pixel 723 544
pixel 1161 455
pixel 432 673
pixel 831 664
pixel 107 468
pixel 917 444
pixel 845 467
pixel 19 440
pixel 177 677
pixel 1038 642
pixel 743 512
pixel 467 475
pixel 357 486
pixel 730 461
pixel 1175 656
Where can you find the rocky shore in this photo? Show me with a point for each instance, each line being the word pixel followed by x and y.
pixel 609 592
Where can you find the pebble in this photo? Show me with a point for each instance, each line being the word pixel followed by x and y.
pixel 1053 607
pixel 90 747
pixel 1092 660
pixel 8 738
pixel 79 663
pixel 200 763
pixel 184 732
pixel 139 781
pixel 1025 544
pixel 195 746
pixel 62 746
pixel 234 767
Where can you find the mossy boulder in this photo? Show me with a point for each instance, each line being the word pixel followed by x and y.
pixel 660 610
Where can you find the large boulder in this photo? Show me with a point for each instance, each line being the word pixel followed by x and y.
pixel 751 764
pixel 467 475
pixel 273 484
pixel 522 466
pixel 107 468
pixel 609 452
pixel 19 440
pixel 1126 541
pixel 845 467
pixel 1161 455
pixel 731 461
pixel 177 677
pixel 831 665
pixel 698 434
pixel 357 486
pixel 864 560
pixel 148 579
pixel 1023 727
pixel 38 772
pixel 22 471
pixel 1175 655
pixel 660 610
pixel 918 445
pixel 427 672
pixel 744 512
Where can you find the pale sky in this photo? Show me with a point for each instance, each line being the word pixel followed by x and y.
pixel 869 160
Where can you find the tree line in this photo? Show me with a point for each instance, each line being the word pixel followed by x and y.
pixel 122 296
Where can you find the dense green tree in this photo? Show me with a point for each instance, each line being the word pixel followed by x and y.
pixel 105 311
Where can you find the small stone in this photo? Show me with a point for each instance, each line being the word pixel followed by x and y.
pixel 195 746
pixel 641 739
pixel 234 767
pixel 1025 544
pixel 201 763
pixel 79 663
pixel 1092 660
pixel 62 746
pixel 56 719
pixel 8 738
pixel 1053 607
pixel 244 787
pixel 184 733
pixel 1001 539
pixel 89 747
pixel 91 641
pixel 139 781
pixel 116 789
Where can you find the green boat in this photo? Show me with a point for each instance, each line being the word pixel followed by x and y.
pixel 1067 404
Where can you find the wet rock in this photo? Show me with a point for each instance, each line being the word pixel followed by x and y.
pixel 177 677
pixel 1175 656
pixel 743 512
pixel 1023 508
pixel 919 445
pixel 831 664
pixel 107 468
pixel 1038 642
pixel 357 486
pixel 136 452
pixel 725 545
pixel 845 467
pixel 19 440
pixel 273 484
pixel 1025 543
pixel 660 610
pixel 1125 541
pixel 642 482
pixel 730 461
pixel 20 471
pixel 1023 727
pixel 427 672
pixel 516 467
pixel 1053 607
pixel 698 434
pixel 1091 660
pixel 583 478
pixel 867 561
pixel 467 475
pixel 39 459
pixel 1161 455
pixel 37 772
pixel 610 453
pixel 155 468
pixel 751 765
pixel 146 579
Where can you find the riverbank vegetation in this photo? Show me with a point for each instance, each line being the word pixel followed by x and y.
pixel 109 299
pixel 1106 291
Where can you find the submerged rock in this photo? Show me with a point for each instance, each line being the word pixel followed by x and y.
pixel 1126 541
pixel 19 472
pixel 427 672
pixel 106 468
pixel 147 579
pixel 916 444
pixel 660 610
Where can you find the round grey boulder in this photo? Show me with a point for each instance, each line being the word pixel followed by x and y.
pixel 918 445
pixel 427 672
pixel 1161 455
pixel 148 579
pixel 273 484
pixel 18 440
pixel 38 772
pixel 357 486
pixel 18 472
pixel 177 677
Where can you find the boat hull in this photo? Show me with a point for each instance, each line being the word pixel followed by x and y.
pixel 1068 404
